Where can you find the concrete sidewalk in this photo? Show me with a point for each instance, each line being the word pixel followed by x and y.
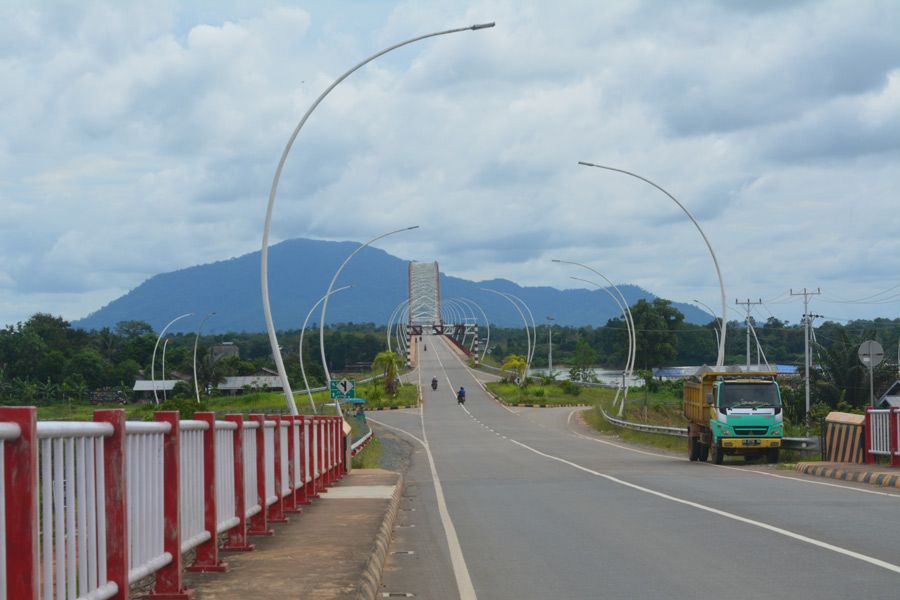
pixel 335 549
pixel 872 474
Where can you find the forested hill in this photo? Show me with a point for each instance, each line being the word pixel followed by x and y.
pixel 299 273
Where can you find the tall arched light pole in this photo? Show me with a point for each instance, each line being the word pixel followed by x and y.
pixel 395 314
pixel 302 332
pixel 153 358
pixel 629 359
pixel 264 253
pixel 533 327
pixel 165 345
pixel 524 320
pixel 715 318
pixel 197 343
pixel 488 325
pixel 331 286
pixel 720 360
pixel 627 310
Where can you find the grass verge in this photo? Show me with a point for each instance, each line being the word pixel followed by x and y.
pixel 370 456
pixel 595 419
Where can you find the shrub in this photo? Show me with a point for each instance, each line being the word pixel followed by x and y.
pixel 569 388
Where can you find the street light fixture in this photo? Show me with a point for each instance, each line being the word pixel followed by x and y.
pixel 300 354
pixel 524 320
pixel 264 253
pixel 196 343
pixel 720 360
pixel 165 345
pixel 715 318
pixel 153 358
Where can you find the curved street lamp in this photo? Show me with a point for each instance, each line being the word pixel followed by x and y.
pixel 196 343
pixel 302 332
pixel 720 360
pixel 390 324
pixel 153 359
pixel 715 318
pixel 533 327
pixel 626 373
pixel 331 286
pixel 165 345
pixel 487 323
pixel 524 320
pixel 264 253
pixel 627 309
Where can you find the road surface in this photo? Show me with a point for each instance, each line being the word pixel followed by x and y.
pixel 528 504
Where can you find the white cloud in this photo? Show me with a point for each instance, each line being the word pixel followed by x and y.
pixel 137 139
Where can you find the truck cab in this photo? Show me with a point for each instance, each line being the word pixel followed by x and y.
pixel 734 413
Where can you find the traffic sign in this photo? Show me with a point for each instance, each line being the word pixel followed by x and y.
pixel 871 353
pixel 343 388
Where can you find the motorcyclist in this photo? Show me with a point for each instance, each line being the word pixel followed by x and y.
pixel 434 383
pixel 424 347
pixel 461 395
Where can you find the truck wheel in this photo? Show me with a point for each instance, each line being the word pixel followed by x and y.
pixel 772 456
pixel 693 449
pixel 718 455
pixel 704 452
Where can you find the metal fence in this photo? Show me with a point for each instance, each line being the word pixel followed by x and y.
pixel 100 505
pixel 882 432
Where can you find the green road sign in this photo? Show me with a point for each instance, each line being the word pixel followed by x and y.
pixel 342 389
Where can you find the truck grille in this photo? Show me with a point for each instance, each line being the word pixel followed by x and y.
pixel 750 430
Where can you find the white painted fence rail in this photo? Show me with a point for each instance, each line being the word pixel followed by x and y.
pixel 101 505
pixel 883 435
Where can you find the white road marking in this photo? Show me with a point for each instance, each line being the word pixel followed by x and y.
pixel 789 534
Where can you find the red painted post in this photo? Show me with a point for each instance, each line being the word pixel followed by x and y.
pixel 20 474
pixel 207 560
pixel 290 501
pixel 237 535
pixel 323 467
pixel 276 510
pixel 168 584
pixel 870 458
pixel 301 491
pixel 338 434
pixel 894 424
pixel 315 439
pixel 116 499
pixel 259 524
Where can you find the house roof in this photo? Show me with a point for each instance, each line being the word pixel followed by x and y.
pixel 147 385
pixel 254 381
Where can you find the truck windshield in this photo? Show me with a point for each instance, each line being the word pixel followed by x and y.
pixel 749 395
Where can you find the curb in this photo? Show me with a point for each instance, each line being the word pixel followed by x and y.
pixel 879 478
pixel 370 585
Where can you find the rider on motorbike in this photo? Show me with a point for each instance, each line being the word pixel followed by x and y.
pixel 434 383
pixel 461 395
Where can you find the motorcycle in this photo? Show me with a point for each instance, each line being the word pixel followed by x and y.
pixel 434 383
pixel 460 399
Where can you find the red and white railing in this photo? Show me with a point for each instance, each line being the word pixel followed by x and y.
pixel 100 505
pixel 883 434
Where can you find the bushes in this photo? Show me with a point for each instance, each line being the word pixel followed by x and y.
pixel 569 388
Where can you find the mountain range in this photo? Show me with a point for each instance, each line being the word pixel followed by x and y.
pixel 299 273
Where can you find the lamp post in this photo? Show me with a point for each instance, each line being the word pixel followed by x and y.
pixel 629 320
pixel 524 320
pixel 720 360
pixel 196 343
pixel 300 354
pixel 153 358
pixel 632 337
pixel 715 318
pixel 328 293
pixel 550 345
pixel 488 325
pixel 533 327
pixel 390 324
pixel 165 345
pixel 264 253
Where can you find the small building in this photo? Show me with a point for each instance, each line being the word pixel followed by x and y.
pixel 223 350
pixel 262 380
pixel 143 388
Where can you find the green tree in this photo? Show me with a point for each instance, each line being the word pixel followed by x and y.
pixel 583 361
pixel 516 364
pixel 389 364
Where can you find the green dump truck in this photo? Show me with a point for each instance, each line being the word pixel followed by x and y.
pixel 733 413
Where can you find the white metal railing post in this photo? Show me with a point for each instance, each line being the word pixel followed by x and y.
pixel 168 578
pixel 259 524
pixel 237 535
pixel 207 559
pixel 293 463
pixel 276 508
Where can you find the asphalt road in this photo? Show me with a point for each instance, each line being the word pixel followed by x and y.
pixel 530 504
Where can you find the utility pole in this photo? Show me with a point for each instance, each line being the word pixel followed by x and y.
pixel 806 320
pixel 748 303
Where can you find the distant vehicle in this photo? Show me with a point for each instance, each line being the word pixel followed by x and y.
pixel 434 383
pixel 733 413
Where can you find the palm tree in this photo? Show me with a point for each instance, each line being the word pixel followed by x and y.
pixel 389 362
pixel 516 364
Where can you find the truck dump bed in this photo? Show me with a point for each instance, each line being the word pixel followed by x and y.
pixel 696 410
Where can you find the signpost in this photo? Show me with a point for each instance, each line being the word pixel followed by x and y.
pixel 871 354
pixel 342 389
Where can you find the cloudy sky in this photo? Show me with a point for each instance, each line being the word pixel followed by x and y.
pixel 138 138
